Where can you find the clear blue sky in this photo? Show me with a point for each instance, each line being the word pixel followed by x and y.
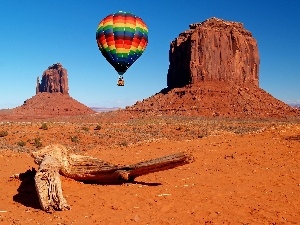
pixel 37 33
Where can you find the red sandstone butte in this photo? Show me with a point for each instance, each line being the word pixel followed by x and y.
pixel 52 98
pixel 214 71
pixel 54 79
pixel 214 50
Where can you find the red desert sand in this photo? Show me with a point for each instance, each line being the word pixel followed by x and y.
pixel 245 172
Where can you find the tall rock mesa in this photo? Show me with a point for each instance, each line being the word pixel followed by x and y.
pixel 214 50
pixel 54 79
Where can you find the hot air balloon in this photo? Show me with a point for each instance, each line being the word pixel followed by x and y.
pixel 122 38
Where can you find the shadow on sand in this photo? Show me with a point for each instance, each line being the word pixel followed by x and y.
pixel 27 195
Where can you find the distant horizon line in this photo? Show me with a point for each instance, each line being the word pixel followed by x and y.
pixel 113 108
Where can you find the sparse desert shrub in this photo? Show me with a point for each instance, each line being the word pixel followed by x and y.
pixel 294 138
pixel 98 127
pixel 21 143
pixel 124 144
pixel 74 139
pixel 202 133
pixel 37 142
pixel 178 128
pixel 44 126
pixel 85 128
pixel 3 133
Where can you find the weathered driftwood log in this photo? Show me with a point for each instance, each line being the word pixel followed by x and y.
pixel 54 159
pixel 48 185
pixel 84 168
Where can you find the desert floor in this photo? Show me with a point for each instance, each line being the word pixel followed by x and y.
pixel 245 172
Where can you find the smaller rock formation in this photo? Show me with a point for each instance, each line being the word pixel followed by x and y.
pixel 52 98
pixel 54 79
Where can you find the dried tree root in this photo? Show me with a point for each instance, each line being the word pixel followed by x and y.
pixel 55 160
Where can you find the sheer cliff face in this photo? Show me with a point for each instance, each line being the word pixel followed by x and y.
pixel 214 50
pixel 54 79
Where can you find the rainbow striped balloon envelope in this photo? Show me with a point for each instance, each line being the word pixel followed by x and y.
pixel 122 38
